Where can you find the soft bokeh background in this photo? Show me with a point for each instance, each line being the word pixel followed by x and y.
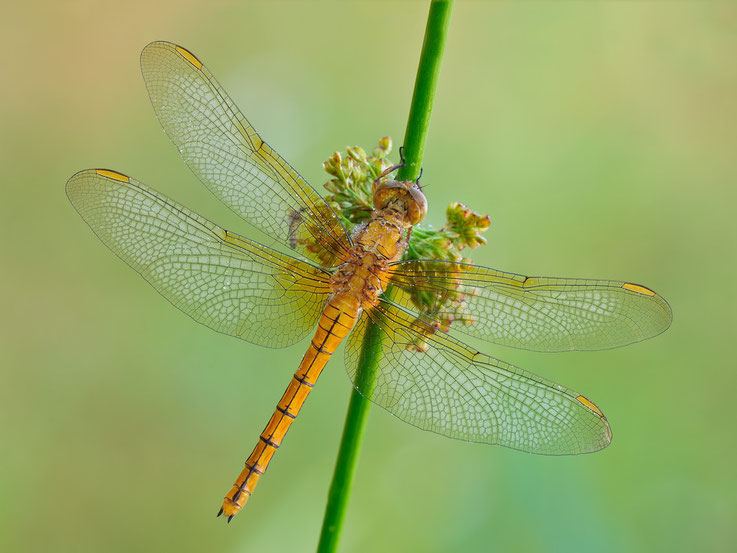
pixel 600 137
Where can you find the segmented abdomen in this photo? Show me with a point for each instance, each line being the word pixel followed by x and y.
pixel 337 320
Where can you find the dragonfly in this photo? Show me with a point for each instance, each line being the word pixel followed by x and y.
pixel 317 278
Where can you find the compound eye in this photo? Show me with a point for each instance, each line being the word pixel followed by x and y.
pixel 418 209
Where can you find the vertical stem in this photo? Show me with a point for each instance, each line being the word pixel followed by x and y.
pixel 350 445
pixel 426 84
pixel 414 148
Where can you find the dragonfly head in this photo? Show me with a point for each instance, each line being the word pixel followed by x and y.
pixel 402 196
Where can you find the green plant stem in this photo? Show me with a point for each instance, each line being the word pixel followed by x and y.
pixel 350 445
pixel 426 84
pixel 414 149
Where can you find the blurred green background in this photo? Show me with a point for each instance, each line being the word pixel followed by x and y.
pixel 600 138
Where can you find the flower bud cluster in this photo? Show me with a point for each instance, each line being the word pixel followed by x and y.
pixel 351 195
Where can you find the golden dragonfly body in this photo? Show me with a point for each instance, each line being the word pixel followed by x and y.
pixel 425 375
pixel 355 284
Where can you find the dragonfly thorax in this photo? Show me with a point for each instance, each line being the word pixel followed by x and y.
pixel 376 244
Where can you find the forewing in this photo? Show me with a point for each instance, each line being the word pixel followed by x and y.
pixel 537 313
pixel 456 391
pixel 230 158
pixel 218 278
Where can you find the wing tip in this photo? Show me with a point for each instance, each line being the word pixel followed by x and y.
pixel 605 437
pixel 155 45
pixel 172 48
pixel 665 311
pixel 75 184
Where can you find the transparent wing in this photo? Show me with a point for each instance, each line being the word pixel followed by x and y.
pixel 230 158
pixel 449 388
pixel 218 278
pixel 536 313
